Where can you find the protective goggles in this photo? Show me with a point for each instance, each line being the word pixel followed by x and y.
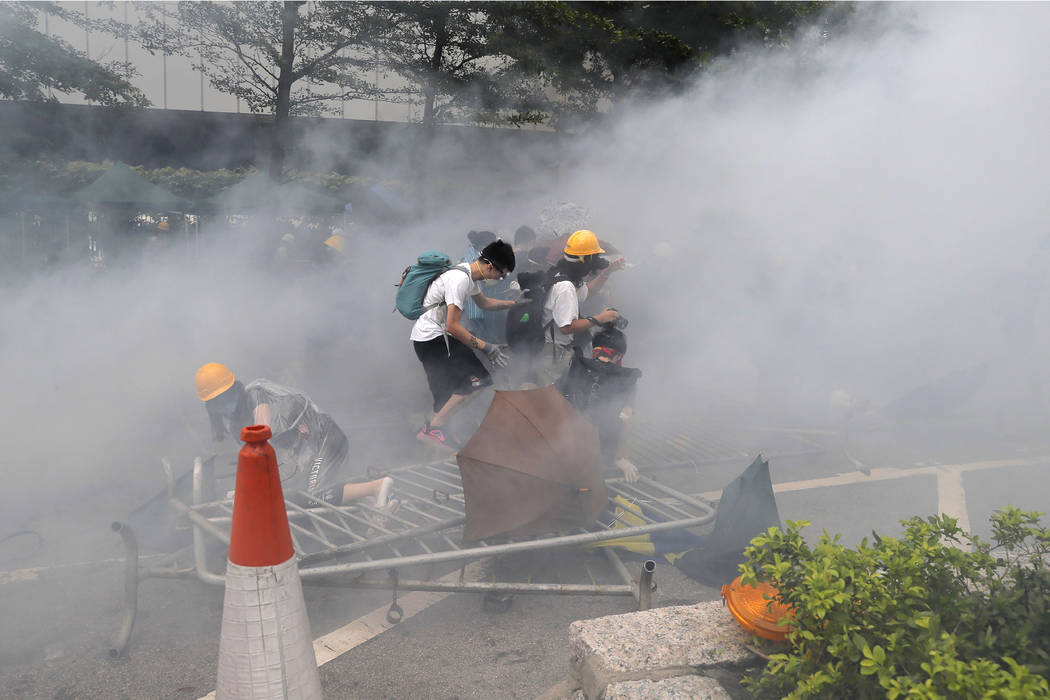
pixel 500 270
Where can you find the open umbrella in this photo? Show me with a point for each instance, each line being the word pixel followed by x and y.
pixel 746 509
pixel 533 466
pixel 555 246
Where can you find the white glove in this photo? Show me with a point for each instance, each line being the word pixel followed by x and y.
pixel 497 354
pixel 630 472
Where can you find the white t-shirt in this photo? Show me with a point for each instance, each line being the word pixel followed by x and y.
pixel 563 307
pixel 453 286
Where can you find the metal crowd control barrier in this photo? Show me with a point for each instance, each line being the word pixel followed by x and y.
pixel 348 545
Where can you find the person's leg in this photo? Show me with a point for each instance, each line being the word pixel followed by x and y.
pixel 435 359
pixel 454 403
pixel 458 373
pixel 465 373
pixel 379 489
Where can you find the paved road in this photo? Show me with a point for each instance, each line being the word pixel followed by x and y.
pixel 59 621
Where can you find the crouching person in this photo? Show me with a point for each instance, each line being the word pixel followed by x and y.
pixel 603 391
pixel 311 449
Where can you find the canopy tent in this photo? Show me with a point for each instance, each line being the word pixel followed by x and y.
pixel 120 186
pixel 533 466
pixel 257 193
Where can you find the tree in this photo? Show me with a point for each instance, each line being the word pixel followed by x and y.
pixel 578 55
pixel 444 50
pixel 274 56
pixel 33 66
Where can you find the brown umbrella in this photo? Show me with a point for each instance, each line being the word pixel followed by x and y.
pixel 533 466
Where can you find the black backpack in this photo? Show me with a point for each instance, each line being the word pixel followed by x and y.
pixel 525 328
pixel 596 387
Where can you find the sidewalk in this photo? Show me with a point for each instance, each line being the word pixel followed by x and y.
pixel 455 649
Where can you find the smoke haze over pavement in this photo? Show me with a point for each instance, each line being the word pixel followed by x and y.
pixel 858 216
pixel 863 215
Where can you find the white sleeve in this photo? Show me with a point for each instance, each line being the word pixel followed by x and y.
pixel 566 307
pixel 457 288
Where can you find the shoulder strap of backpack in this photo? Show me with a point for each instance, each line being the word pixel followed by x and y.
pixel 444 327
pixel 553 277
pixel 436 304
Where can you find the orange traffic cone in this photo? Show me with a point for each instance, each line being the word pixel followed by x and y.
pixel 266 649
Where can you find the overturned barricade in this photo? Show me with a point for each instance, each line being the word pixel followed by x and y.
pixel 357 545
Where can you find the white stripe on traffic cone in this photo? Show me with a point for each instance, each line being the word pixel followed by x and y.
pixel 266 649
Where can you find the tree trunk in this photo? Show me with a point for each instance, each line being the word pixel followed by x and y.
pixel 285 78
pixel 430 89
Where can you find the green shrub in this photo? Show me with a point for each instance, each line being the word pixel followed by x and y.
pixel 936 613
pixel 196 185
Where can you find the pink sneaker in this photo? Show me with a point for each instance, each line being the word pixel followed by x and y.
pixel 435 437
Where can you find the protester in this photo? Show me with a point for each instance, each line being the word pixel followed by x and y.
pixel 524 240
pixel 446 348
pixel 603 390
pixel 311 449
pixel 561 309
pixel 474 319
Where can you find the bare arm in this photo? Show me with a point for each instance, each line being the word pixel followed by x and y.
pixel 489 304
pixel 582 324
pixel 262 414
pixel 458 331
pixel 623 447
pixel 602 277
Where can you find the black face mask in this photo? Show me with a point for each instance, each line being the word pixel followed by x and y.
pixel 590 264
pixel 225 404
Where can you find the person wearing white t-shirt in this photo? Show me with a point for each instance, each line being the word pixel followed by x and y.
pixel 444 345
pixel 561 309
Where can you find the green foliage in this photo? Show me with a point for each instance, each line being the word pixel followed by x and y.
pixel 510 63
pixel 934 614
pixel 444 50
pixel 573 57
pixel 33 66
pixel 196 185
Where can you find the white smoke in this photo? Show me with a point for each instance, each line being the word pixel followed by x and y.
pixel 861 215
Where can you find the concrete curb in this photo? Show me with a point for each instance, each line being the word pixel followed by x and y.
pixel 659 653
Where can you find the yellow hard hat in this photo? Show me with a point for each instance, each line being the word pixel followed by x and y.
pixel 213 379
pixel 337 242
pixel 583 243
pixel 163 226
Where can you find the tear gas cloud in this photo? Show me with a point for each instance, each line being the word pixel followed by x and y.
pixel 860 215
pixel 863 215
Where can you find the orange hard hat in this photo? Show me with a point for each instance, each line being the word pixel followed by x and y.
pixel 582 243
pixel 756 608
pixel 337 242
pixel 213 379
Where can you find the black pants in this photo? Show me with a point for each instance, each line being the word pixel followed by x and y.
pixel 452 370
